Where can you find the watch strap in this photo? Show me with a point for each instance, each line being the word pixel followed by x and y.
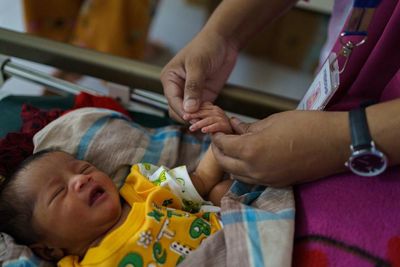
pixel 360 136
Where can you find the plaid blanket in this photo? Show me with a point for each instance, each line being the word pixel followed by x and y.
pixel 258 229
pixel 258 221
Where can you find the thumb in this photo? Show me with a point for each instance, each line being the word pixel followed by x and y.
pixel 194 84
pixel 238 126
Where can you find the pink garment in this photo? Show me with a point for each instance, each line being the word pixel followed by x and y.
pixel 373 69
pixel 347 220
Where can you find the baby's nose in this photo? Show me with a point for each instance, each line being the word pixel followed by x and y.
pixel 80 181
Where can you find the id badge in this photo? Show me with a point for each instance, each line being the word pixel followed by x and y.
pixel 324 86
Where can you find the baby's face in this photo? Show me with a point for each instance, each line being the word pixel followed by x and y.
pixel 75 203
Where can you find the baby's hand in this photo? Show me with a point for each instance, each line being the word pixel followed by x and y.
pixel 210 119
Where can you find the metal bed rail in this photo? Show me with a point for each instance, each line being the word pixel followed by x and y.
pixel 10 69
pixel 131 73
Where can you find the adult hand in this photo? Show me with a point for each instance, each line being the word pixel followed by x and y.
pixel 197 73
pixel 285 148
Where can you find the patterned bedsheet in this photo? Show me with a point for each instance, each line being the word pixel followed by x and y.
pixel 258 221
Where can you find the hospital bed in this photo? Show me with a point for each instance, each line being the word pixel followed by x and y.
pixel 252 235
pixel 134 74
pixel 138 85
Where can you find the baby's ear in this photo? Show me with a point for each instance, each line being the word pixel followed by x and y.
pixel 46 253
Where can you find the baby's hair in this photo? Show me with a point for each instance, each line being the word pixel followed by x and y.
pixel 16 207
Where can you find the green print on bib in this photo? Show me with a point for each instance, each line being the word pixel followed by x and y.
pixel 147 166
pixel 206 216
pixel 159 254
pixel 171 213
pixel 190 206
pixel 181 181
pixel 167 202
pixel 131 260
pixel 198 227
pixel 161 178
pixel 180 259
pixel 156 215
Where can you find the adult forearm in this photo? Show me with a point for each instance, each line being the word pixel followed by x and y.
pixel 298 146
pixel 238 20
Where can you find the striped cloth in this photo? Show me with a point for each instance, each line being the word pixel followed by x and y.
pixel 258 229
pixel 109 140
pixel 258 221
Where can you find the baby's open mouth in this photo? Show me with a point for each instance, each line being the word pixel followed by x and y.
pixel 95 194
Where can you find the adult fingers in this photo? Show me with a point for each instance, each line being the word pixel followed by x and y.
pixel 175 105
pixel 238 126
pixel 248 180
pixel 175 116
pixel 233 146
pixel 229 164
pixel 173 85
pixel 194 84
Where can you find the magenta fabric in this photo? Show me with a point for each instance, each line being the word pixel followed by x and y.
pixel 373 68
pixel 347 220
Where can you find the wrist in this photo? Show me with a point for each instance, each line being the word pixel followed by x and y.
pixel 218 36
pixel 384 128
pixel 366 159
pixel 225 30
pixel 330 145
pixel 337 127
pixel 384 124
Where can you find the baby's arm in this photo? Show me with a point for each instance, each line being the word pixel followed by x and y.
pixel 207 178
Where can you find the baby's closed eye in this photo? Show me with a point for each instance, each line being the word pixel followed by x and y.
pixel 57 193
pixel 86 168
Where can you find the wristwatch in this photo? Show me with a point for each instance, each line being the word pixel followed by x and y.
pixel 366 159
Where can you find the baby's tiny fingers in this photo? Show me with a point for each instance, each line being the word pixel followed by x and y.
pixel 202 123
pixel 213 128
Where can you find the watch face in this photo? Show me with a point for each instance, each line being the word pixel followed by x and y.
pixel 368 163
